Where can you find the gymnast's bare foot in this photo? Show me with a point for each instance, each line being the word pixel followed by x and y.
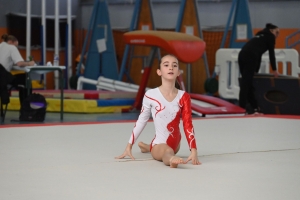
pixel 174 161
pixel 145 148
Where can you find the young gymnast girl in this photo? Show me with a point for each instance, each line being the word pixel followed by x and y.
pixel 166 103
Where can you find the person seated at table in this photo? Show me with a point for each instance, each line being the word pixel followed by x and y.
pixel 9 57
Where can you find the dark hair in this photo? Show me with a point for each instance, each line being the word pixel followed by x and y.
pixel 177 85
pixel 12 38
pixel 7 38
pixel 4 37
pixel 271 26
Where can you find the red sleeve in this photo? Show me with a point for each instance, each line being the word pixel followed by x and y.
pixel 186 113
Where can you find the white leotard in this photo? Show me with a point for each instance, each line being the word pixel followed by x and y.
pixel 166 117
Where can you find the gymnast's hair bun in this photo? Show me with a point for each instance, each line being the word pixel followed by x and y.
pixel 4 37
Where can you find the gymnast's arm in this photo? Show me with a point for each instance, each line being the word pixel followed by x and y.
pixel 25 63
pixel 189 129
pixel 17 58
pixel 138 128
pixel 271 49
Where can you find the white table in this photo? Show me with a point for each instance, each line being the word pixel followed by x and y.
pixel 40 69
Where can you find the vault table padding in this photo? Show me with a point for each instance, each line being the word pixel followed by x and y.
pixel 187 48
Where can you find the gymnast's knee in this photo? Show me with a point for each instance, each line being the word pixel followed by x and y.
pixel 169 150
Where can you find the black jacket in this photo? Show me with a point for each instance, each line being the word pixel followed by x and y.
pixel 263 41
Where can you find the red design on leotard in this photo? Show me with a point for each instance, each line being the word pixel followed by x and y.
pixel 191 136
pixel 175 136
pixel 168 121
pixel 187 120
pixel 158 109
pixel 132 135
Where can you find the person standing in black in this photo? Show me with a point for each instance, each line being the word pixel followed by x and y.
pixel 249 60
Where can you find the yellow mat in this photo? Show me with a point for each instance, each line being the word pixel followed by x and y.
pixel 36 84
pixel 72 106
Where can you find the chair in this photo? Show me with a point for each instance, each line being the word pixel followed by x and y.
pixel 6 85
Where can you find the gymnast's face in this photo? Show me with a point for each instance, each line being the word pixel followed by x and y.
pixel 169 67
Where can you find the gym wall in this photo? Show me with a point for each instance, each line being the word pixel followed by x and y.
pixel 211 13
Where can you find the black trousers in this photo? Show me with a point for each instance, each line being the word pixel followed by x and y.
pixel 249 63
pixel 19 82
pixel 5 79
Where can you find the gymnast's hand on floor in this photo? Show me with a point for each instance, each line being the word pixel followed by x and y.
pixel 193 157
pixel 127 152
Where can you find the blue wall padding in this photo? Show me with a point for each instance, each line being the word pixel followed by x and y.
pixel 115 102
